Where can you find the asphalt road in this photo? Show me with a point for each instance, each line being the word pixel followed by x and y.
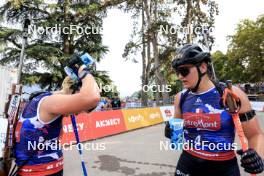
pixel 135 153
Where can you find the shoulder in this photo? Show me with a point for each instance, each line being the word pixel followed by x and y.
pixel 36 97
pixel 34 103
pixel 178 96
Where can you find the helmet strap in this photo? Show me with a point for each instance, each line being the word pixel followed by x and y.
pixel 200 75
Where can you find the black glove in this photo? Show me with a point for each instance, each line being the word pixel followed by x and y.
pixel 168 130
pixel 251 161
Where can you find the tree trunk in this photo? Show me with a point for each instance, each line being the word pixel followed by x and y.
pixel 189 20
pixel 66 41
pixel 160 81
pixel 144 78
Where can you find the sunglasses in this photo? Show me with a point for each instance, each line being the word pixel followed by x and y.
pixel 184 71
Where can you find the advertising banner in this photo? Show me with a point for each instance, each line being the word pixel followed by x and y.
pixel 93 125
pixel 106 123
pixel 137 118
pixel 82 122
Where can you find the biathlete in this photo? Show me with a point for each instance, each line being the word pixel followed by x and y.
pixel 208 127
pixel 41 123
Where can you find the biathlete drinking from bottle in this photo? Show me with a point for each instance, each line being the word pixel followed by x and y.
pixel 41 123
pixel 208 128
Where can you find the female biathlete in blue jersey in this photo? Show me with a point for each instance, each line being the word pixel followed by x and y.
pixel 41 123
pixel 208 128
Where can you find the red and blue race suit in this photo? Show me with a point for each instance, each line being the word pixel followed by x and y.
pixel 208 128
pixel 209 135
pixel 37 148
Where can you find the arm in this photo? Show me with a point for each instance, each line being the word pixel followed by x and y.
pixel 251 128
pixel 177 109
pixel 58 104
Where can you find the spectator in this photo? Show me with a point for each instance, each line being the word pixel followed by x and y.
pixel 116 103
pixel 247 88
pixel 108 105
pixel 101 105
pixel 262 88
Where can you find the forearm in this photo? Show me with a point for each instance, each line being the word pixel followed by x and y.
pixel 257 142
pixel 89 86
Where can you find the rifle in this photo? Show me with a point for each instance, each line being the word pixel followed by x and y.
pixel 11 112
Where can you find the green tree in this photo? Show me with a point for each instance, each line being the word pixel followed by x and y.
pixel 246 51
pixel 198 16
pixel 47 52
pixel 220 65
pixel 157 44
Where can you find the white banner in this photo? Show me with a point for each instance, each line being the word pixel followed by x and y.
pixel 167 112
pixel 3 130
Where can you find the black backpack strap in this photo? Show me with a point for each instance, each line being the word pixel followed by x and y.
pixel 220 87
pixel 35 94
pixel 183 97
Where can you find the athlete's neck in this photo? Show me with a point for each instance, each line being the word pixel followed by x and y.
pixel 205 85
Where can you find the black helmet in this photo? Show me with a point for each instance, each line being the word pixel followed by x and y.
pixel 190 54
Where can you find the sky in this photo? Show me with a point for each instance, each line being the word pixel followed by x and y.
pixel 118 26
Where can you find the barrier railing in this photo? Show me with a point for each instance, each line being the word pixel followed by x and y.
pixel 105 123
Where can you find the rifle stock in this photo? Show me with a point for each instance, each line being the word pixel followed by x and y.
pixel 11 112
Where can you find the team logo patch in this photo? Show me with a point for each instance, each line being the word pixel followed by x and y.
pixel 202 121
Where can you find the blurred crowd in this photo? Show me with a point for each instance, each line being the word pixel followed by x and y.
pixel 252 88
pixel 115 102
pixel 110 103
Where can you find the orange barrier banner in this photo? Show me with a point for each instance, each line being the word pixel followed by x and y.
pixel 82 122
pixel 93 125
pixel 137 118
pixel 106 123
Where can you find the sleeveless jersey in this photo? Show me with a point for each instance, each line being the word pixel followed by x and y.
pixel 208 128
pixel 37 148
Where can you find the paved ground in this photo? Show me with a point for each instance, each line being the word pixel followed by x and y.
pixel 135 153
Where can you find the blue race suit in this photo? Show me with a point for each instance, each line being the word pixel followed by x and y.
pixel 208 128
pixel 37 149
pixel 208 137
